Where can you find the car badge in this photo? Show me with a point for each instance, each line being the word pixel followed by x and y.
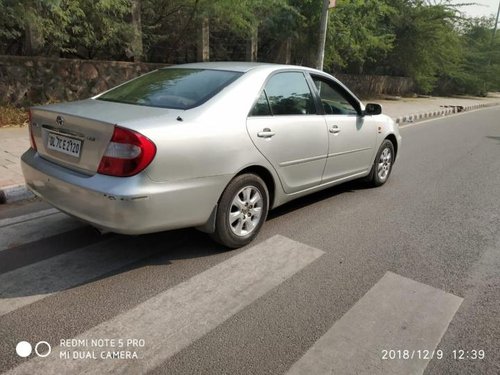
pixel 60 120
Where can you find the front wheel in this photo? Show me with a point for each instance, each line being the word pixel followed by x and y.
pixel 382 166
pixel 242 211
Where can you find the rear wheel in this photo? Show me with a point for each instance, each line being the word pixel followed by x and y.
pixel 242 211
pixel 382 166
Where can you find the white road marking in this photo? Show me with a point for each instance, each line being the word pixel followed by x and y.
pixel 33 227
pixel 36 281
pixel 395 314
pixel 174 319
pixel 30 216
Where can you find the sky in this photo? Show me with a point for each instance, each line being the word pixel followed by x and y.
pixel 483 7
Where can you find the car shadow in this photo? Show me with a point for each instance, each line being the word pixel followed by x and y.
pixel 297 204
pixel 83 256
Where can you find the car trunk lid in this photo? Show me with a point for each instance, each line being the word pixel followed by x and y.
pixel 76 135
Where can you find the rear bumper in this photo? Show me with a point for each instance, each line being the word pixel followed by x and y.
pixel 129 205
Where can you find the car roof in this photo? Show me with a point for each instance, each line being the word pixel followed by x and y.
pixel 239 66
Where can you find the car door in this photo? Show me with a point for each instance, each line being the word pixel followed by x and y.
pixel 286 128
pixel 352 136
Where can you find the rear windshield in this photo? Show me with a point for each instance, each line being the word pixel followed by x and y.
pixel 172 88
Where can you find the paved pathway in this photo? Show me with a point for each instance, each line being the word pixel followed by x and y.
pixel 13 142
pixel 414 106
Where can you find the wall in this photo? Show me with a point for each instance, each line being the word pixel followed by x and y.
pixel 366 86
pixel 26 81
pixel 34 80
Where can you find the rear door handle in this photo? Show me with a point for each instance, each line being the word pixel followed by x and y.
pixel 335 129
pixel 266 133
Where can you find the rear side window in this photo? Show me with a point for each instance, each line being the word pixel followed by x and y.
pixel 261 108
pixel 289 94
pixel 172 88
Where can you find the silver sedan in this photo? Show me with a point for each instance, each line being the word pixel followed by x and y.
pixel 206 145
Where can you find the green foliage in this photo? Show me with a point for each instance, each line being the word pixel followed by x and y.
pixel 9 21
pixel 358 34
pixel 427 40
pixel 480 70
pixel 171 29
pixel 426 43
pixel 84 28
pixel 304 29
pixel 19 16
pixel 95 28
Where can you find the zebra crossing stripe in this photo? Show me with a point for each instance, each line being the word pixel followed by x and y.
pixel 36 281
pixel 397 314
pixel 27 217
pixel 174 319
pixel 28 228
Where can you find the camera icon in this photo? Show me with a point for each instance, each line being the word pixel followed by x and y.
pixel 24 349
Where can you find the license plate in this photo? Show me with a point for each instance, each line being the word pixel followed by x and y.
pixel 66 145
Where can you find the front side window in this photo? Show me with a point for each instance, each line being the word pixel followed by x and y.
pixel 172 88
pixel 333 101
pixel 289 94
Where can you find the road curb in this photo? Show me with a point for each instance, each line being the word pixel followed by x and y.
pixel 447 110
pixel 14 193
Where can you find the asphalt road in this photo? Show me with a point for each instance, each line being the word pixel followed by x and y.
pixel 412 265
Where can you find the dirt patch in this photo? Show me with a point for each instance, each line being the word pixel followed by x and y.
pixel 12 116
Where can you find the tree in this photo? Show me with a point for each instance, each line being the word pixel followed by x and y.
pixel 97 28
pixel 426 42
pixel 480 68
pixel 136 45
pixel 28 26
pixel 11 29
pixel 360 34
pixel 239 20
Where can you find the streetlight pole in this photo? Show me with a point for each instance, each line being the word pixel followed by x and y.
pixel 322 35
pixel 496 23
pixel 491 43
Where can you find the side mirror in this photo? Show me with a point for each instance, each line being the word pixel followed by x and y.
pixel 373 109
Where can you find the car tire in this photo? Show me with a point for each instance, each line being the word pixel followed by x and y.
pixel 241 212
pixel 382 165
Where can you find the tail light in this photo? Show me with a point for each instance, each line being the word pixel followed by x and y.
pixel 30 128
pixel 127 154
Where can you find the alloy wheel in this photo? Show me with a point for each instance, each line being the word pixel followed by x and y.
pixel 246 211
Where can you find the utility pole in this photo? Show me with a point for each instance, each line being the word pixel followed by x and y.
pixel 327 4
pixel 491 44
pixel 496 24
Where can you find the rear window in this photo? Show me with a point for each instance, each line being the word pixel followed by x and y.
pixel 172 88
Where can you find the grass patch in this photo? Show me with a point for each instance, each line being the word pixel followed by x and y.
pixel 12 116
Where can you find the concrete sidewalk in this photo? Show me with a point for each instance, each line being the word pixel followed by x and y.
pixel 15 140
pixel 405 110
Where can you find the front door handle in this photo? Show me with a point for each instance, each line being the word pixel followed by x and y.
pixel 335 129
pixel 266 133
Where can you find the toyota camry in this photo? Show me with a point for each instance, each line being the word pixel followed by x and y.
pixel 208 145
